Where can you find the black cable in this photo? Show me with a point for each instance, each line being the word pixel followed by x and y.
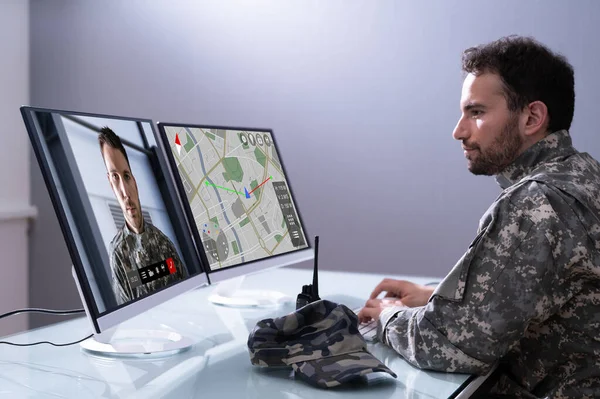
pixel 47 311
pixel 46 342
pixel 39 310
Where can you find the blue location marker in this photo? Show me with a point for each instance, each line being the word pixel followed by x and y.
pixel 246 191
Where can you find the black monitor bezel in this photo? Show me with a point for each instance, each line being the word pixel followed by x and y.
pixel 29 118
pixel 188 211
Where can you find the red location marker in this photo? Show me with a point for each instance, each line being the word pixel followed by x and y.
pixel 178 143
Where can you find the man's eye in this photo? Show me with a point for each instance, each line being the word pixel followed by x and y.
pixel 114 176
pixel 127 177
pixel 476 113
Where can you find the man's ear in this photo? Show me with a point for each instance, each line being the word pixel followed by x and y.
pixel 537 118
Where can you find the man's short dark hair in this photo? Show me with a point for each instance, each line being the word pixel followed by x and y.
pixel 108 137
pixel 530 72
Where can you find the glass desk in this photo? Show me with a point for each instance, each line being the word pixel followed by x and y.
pixel 218 365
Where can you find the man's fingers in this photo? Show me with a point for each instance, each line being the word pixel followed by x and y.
pixel 381 287
pixel 372 303
pixel 373 308
pixel 384 302
pixel 392 287
pixel 390 301
pixel 367 314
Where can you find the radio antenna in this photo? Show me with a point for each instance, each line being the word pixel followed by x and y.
pixel 315 283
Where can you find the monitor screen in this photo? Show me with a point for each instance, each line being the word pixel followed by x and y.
pixel 119 212
pixel 237 193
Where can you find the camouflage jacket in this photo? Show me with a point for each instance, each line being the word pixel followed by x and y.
pixel 130 251
pixel 526 294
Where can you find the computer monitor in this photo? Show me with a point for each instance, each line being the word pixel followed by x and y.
pixel 239 204
pixel 122 221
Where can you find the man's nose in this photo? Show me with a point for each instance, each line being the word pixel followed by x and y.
pixel 460 130
pixel 123 189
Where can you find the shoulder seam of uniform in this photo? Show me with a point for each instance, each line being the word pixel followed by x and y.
pixel 518 190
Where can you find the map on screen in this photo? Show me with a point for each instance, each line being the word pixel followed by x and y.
pixel 238 193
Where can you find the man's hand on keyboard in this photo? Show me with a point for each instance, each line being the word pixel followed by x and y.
pixel 373 308
pixel 411 294
pixel 397 293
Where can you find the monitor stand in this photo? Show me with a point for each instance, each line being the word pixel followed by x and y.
pixel 122 342
pixel 228 293
pixel 133 343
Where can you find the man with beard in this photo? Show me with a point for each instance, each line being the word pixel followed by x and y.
pixel 526 294
pixel 142 258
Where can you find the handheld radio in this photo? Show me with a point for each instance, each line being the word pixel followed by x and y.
pixel 310 292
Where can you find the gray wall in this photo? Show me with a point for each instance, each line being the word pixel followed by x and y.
pixel 15 210
pixel 362 96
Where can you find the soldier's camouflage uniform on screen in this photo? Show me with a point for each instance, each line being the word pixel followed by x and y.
pixel 129 250
pixel 527 290
pixel 320 341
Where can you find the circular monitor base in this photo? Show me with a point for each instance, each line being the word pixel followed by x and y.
pixel 250 299
pixel 138 344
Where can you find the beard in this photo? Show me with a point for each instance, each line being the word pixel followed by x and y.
pixel 501 153
pixel 134 216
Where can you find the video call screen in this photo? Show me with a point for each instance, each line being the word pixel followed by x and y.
pixel 238 193
pixel 121 201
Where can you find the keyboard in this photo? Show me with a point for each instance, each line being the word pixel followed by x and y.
pixel 367 330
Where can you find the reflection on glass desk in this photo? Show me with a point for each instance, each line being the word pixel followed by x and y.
pixel 218 365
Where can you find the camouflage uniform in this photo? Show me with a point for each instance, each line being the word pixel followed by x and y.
pixel 320 341
pixel 130 251
pixel 526 292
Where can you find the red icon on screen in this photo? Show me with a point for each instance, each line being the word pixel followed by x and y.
pixel 178 144
pixel 171 266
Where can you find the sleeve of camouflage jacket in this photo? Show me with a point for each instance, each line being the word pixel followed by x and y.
pixel 507 279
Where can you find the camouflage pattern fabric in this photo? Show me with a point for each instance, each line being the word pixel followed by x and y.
pixel 130 251
pixel 526 293
pixel 320 341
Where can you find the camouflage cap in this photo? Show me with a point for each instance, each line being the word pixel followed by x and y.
pixel 320 341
